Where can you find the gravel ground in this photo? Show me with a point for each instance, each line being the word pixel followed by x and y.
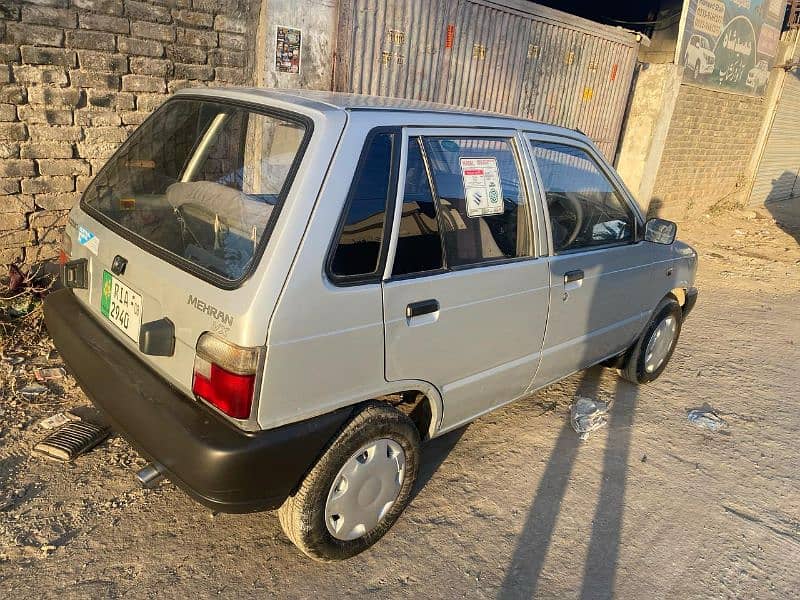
pixel 514 505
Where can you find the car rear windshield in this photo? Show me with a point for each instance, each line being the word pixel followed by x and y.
pixel 201 181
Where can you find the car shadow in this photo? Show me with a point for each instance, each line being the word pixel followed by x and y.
pixel 434 453
pixel 599 572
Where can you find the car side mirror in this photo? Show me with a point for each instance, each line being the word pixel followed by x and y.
pixel 660 231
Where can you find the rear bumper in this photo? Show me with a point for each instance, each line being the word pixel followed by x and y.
pixel 691 300
pixel 218 465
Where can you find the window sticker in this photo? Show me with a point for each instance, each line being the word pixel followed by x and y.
pixel 484 193
pixel 88 239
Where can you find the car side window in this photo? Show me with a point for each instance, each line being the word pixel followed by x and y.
pixel 585 209
pixel 483 212
pixel 419 245
pixel 358 250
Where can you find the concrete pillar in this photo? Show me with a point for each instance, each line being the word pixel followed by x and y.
pixel 650 109
pixel 317 22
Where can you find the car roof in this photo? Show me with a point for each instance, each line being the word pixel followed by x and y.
pixel 324 101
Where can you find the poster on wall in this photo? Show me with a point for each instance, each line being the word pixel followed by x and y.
pixel 287 50
pixel 731 44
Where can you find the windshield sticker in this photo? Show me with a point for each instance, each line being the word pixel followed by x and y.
pixel 484 192
pixel 88 239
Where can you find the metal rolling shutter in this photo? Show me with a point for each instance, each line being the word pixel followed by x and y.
pixel 777 175
pixel 507 56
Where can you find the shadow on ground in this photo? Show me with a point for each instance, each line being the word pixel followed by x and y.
pixel 783 203
pixel 599 571
pixel 434 454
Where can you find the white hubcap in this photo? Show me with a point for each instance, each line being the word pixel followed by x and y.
pixel 659 344
pixel 365 489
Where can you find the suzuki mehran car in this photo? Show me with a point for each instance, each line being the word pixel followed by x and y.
pixel 275 296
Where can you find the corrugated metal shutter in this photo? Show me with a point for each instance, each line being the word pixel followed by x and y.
pixel 505 56
pixel 777 175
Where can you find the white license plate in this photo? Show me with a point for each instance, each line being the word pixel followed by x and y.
pixel 121 305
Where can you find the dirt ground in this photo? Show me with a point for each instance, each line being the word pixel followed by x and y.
pixel 514 505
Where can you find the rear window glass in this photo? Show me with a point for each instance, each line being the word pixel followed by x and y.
pixel 419 247
pixel 358 250
pixel 202 181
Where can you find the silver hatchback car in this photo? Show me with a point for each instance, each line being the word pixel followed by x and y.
pixel 275 296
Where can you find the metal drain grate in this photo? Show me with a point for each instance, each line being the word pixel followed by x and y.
pixel 71 440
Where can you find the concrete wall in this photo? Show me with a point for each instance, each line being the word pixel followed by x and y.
pixel 655 90
pixel 650 105
pixel 317 20
pixel 76 76
pixel 705 159
pixel 685 148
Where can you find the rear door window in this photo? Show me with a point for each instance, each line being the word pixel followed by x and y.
pixel 483 211
pixel 419 245
pixel 201 182
pixel 358 248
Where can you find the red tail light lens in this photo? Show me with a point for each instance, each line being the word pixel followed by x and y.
pixel 229 392
pixel 225 375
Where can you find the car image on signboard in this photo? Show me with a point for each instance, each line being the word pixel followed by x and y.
pixel 699 56
pixel 758 77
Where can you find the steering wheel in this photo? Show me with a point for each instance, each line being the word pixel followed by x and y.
pixel 566 219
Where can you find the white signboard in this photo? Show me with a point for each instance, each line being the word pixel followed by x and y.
pixel 484 193
pixel 709 17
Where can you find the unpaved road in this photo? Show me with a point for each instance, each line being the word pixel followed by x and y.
pixel 512 506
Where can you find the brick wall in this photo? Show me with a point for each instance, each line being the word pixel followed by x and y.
pixel 76 76
pixel 711 138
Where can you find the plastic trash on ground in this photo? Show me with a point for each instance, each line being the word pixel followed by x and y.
pixel 706 417
pixel 57 420
pixel 587 415
pixel 49 373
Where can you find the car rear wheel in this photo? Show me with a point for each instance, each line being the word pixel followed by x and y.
pixel 358 488
pixel 648 358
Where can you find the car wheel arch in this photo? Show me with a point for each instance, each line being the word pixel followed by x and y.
pixel 419 399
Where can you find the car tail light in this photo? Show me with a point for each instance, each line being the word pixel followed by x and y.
pixel 225 375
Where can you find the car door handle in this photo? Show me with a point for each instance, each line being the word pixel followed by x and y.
pixel 423 307
pixel 571 276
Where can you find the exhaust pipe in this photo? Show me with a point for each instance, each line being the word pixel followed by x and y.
pixel 150 476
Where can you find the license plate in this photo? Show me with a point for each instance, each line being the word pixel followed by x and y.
pixel 121 305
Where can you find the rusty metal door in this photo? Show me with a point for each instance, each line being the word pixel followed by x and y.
pixel 506 56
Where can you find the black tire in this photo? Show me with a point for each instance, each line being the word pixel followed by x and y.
pixel 302 515
pixel 634 367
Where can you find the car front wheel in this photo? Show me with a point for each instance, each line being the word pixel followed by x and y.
pixel 649 356
pixel 358 488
